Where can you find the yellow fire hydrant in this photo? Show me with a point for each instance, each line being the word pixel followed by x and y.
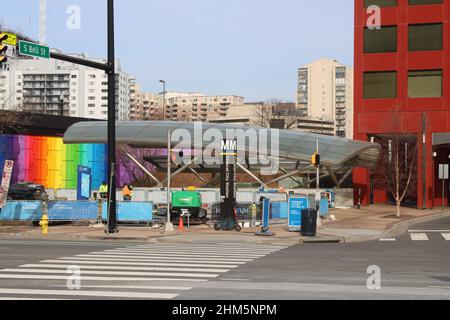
pixel 44 224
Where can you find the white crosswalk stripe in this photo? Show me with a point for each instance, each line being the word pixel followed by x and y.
pixel 136 272
pixel 419 237
pixel 446 236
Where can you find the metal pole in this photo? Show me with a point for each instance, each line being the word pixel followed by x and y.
pixel 169 225
pixel 112 218
pixel 164 99
pixel 62 107
pixel 319 222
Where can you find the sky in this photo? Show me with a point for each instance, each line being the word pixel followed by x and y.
pixel 250 48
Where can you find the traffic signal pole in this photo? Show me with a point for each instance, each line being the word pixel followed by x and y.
pixel 110 69
pixel 112 213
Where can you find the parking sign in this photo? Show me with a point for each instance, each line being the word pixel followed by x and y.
pixel 6 180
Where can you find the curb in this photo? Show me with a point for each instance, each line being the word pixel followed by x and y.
pixel 397 228
pixel 402 227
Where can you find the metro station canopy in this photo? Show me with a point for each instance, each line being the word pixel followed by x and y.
pixel 335 152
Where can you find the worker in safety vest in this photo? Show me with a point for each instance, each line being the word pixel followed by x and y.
pixel 127 192
pixel 103 190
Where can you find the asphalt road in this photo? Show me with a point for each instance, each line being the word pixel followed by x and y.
pixel 415 265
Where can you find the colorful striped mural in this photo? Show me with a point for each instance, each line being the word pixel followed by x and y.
pixel 47 161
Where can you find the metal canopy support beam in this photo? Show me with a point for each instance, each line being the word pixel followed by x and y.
pixel 321 177
pixel 144 169
pixel 197 175
pixel 349 172
pixel 251 175
pixel 292 178
pixel 333 176
pixel 288 175
pixel 183 168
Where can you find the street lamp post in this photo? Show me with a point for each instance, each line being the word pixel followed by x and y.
pixel 164 98
pixel 61 100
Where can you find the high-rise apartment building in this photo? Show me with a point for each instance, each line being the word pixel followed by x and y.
pixel 402 88
pixel 62 88
pixel 325 92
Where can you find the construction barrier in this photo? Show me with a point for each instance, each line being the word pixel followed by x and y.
pixel 21 211
pixel 131 212
pixel 72 211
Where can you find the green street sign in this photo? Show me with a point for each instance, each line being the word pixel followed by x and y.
pixel 34 50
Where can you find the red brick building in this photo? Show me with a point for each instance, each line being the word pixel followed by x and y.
pixel 404 69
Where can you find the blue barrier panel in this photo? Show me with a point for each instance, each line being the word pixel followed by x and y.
pixel 21 211
pixel 131 212
pixel 72 211
pixel 296 205
pixel 324 207
pixel 279 210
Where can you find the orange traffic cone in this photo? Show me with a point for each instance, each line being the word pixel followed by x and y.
pixel 181 224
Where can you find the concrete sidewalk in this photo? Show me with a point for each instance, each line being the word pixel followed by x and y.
pixel 351 225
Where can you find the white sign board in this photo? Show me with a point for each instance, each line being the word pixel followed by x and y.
pixel 443 172
pixel 6 180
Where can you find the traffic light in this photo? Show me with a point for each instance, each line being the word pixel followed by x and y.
pixel 3 48
pixel 315 159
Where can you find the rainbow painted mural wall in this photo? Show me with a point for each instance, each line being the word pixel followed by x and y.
pixel 47 161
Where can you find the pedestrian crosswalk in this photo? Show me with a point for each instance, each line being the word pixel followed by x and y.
pixel 148 271
pixel 422 236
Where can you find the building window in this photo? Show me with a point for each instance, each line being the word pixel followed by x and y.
pixel 378 85
pixel 380 40
pixel 425 84
pixel 380 3
pixel 416 2
pixel 425 37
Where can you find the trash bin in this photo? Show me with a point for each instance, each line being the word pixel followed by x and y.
pixel 309 222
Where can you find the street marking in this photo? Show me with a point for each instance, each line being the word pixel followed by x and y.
pixel 446 236
pixel 203 252
pixel 182 253
pixel 118 273
pixel 167 260
pixel 153 258
pixel 234 246
pixel 132 287
pixel 143 264
pixel 218 249
pixel 87 278
pixel 120 263
pixel 429 231
pixel 102 267
pixel 438 287
pixel 80 293
pixel 419 237
pixel 235 280
pixel 388 239
pixel 29 299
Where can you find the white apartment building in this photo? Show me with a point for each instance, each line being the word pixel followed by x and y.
pixel 145 106
pixel 197 106
pixel 325 92
pixel 179 106
pixel 62 88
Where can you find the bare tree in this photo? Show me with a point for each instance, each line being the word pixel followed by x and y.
pixel 13 121
pixel 398 162
pixel 275 113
